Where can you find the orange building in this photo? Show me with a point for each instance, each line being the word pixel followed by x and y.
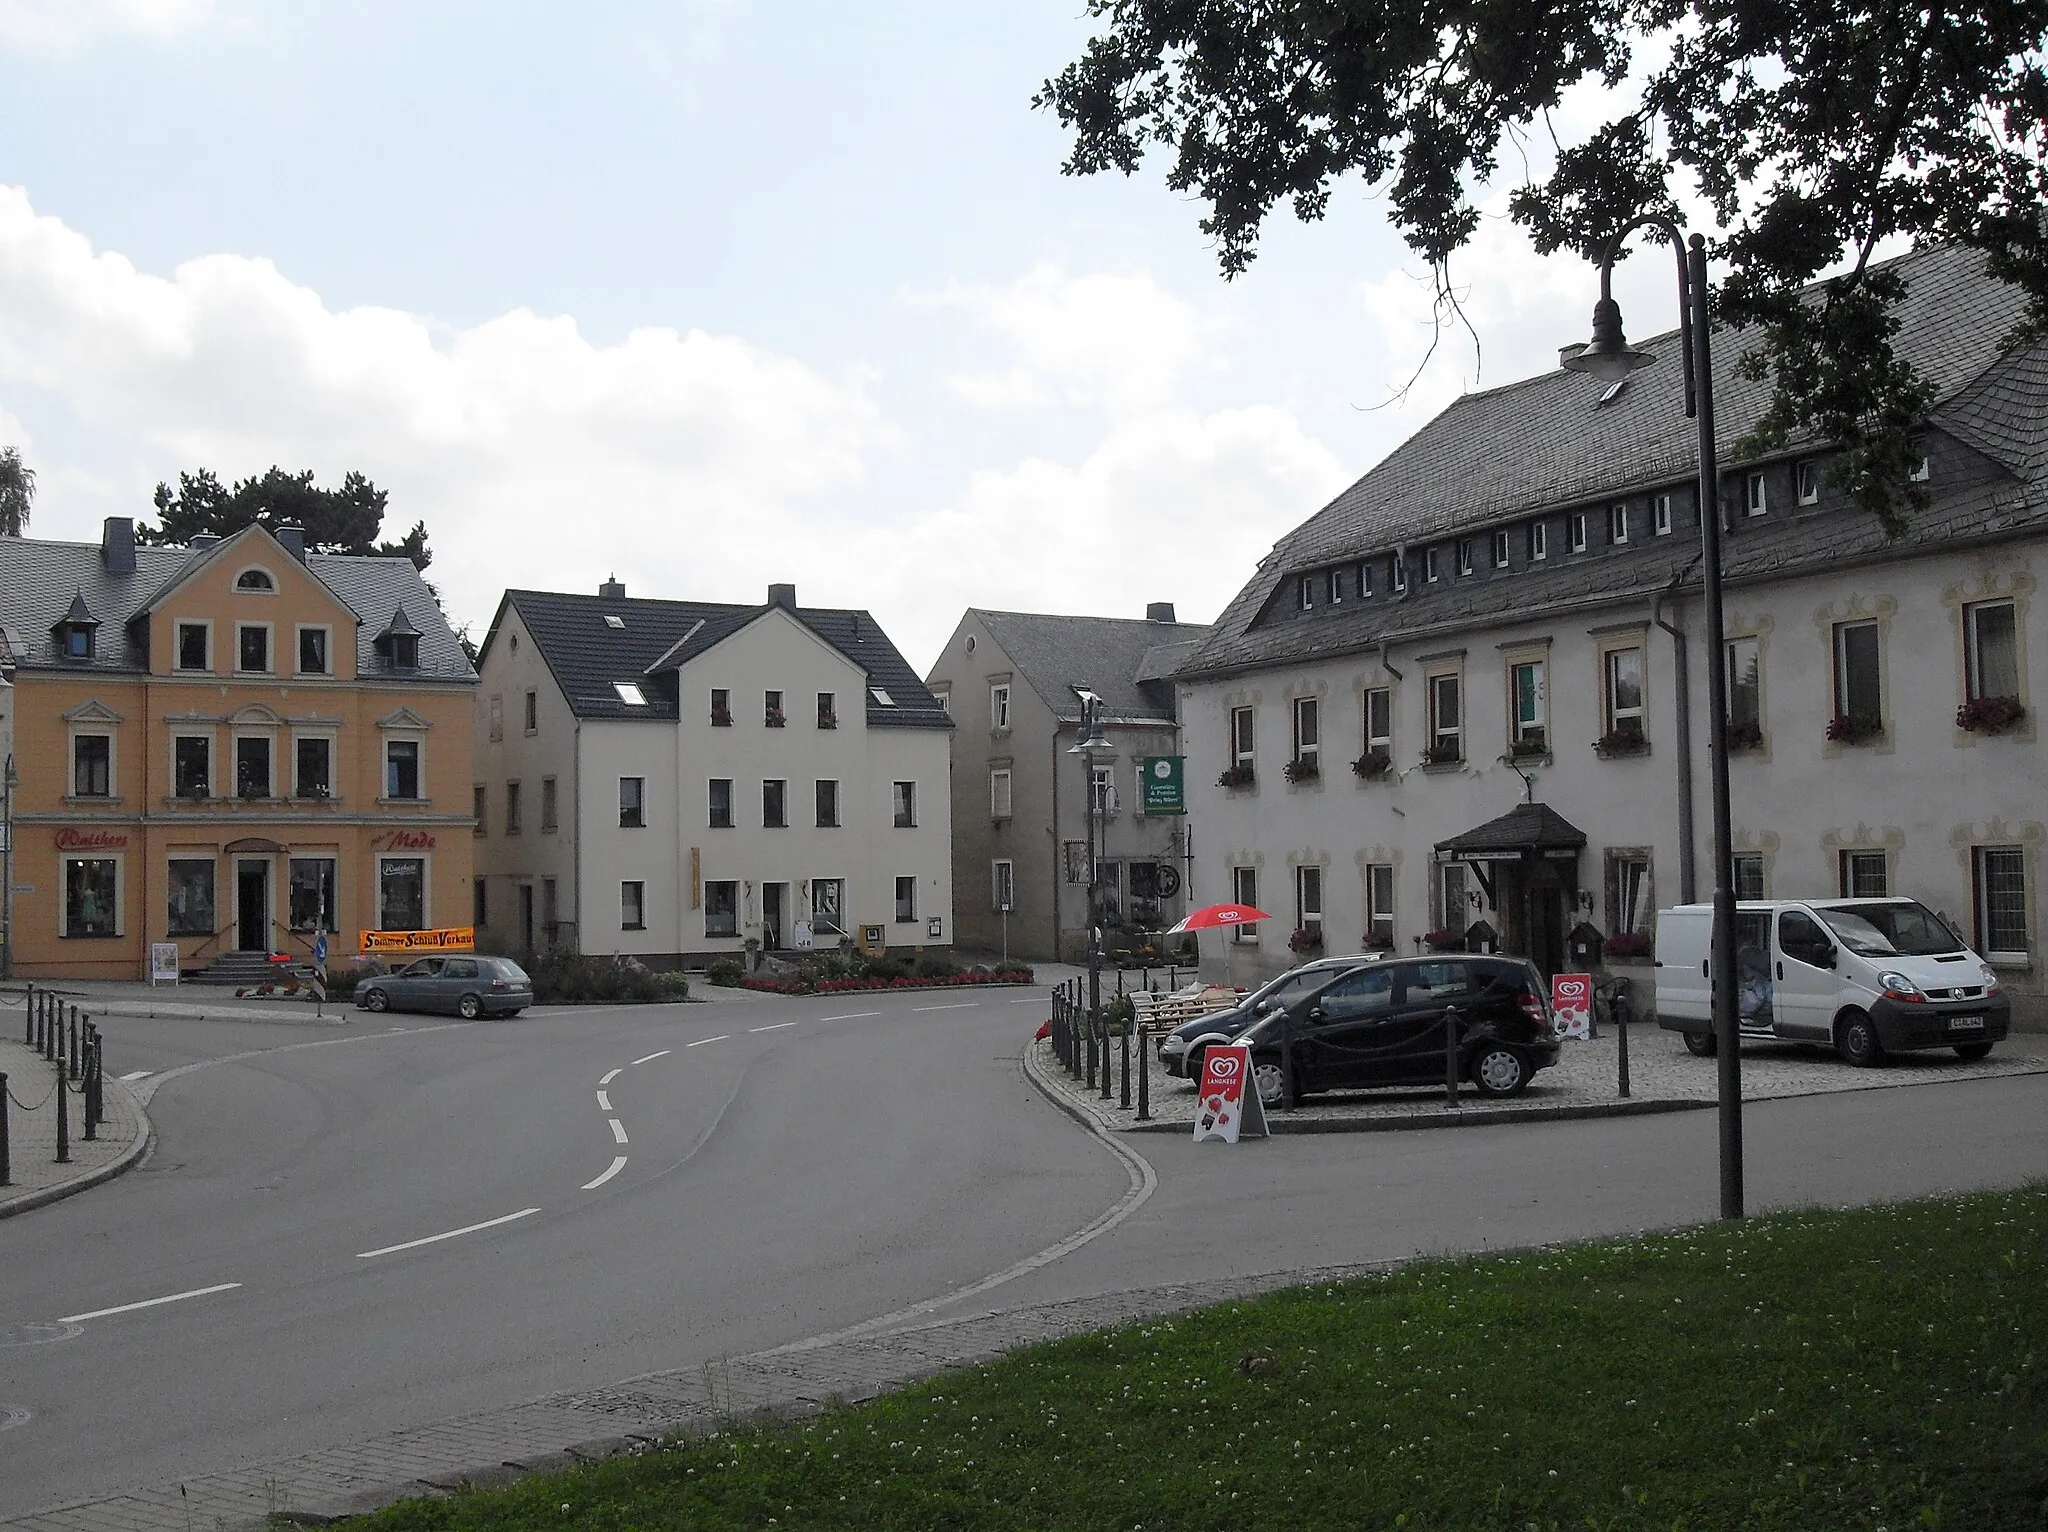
pixel 231 747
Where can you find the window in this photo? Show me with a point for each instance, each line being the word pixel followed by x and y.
pixel 999 707
pixel 78 642
pixel 405 651
pixel 1539 542
pixel 1660 515
pixel 1529 699
pixel 190 910
pixel 1921 469
pixel 92 896
pixel 1454 902
pixel 252 766
pixel 1631 899
pixel 1244 890
pixel 402 769
pixel 721 909
pixel 1379 719
pixel 1446 719
pixel 1400 575
pixel 1242 735
pixel 999 792
pixel 1864 875
pixel 775 804
pixel 1754 496
pixel 479 903
pixel 614 620
pixel 1333 586
pixel 719 809
pixel 721 708
pixel 1576 525
pixel 310 884
pixel 828 710
pixel 630 693
pixel 1429 565
pixel 632 803
pixel 1306 592
pixel 255 579
pixel 1102 790
pixel 252 647
pixel 1379 904
pixel 771 710
pixel 497 718
pixel 312 651
pixel 192 766
pixel 550 909
pixel 531 703
pixel 1749 876
pixel 1003 885
pixel 547 805
pixel 1617 522
pixel 827 791
pixel 828 906
pixel 1806 481
pixel 2001 898
pixel 1306 730
pixel 1308 898
pixel 1364 580
pixel 92 766
pixel 882 698
pixel 1500 549
pixel 906 901
pixel 904 796
pixel 633 906
pixel 1991 649
pixel 1858 694
pixel 1745 692
pixel 193 642
pixel 1624 674
pixel 480 798
pixel 402 893
pixel 313 768
pixel 1464 555
pixel 514 803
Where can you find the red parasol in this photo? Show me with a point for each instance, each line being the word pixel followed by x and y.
pixel 1211 917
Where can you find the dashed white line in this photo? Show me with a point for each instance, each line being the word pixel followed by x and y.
pixel 414 1244
pixel 618 1165
pixel 651 1058
pixel 777 1027
pixel 611 1077
pixel 1030 1000
pixel 618 1131
pixel 604 1101
pixel 958 1005
pixel 851 1016
pixel 700 1042
pixel 148 1303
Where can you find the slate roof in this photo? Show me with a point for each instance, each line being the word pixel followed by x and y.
pixel 587 655
pixel 38 579
pixel 1543 444
pixel 1525 827
pixel 1124 661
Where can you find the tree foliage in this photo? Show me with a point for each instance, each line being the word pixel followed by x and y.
pixel 1816 131
pixel 343 520
pixel 17 492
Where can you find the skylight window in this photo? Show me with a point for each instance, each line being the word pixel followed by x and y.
pixel 613 621
pixel 882 698
pixel 630 693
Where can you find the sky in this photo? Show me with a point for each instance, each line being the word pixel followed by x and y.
pixel 706 294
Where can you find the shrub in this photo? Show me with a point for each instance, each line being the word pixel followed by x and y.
pixel 342 978
pixel 675 984
pixel 936 965
pixel 571 978
pixel 725 972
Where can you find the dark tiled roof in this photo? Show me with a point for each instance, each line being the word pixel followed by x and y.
pixel 1124 661
pixel 588 656
pixel 1543 444
pixel 38 579
pixel 1525 827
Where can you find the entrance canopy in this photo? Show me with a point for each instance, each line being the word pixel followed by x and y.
pixel 1530 835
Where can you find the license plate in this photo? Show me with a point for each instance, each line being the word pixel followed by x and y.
pixel 1966 1023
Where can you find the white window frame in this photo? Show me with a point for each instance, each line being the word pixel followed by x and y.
pixel 269 630
pixel 1365 580
pixel 426 861
pixel 1535 726
pixel 1756 859
pixel 1244 890
pixel 642 808
pixel 1539 541
pixel 1923 469
pixel 401 736
pixel 1756 495
pixel 1806 481
pixel 1502 548
pixel 1617 523
pixel 1458 873
pixel 1244 741
pixel 1383 740
pixel 1308 732
pixel 1400 574
pixel 783 822
pixel 1451 683
pixel 268 735
pixel 1464 556
pixel 1431 566
pixel 632 900
pixel 299 632
pixel 1001 793
pixel 112 736
pixel 1333 586
pixel 212 764
pixel 1980 901
pixel 1379 903
pixel 1306 596
pixel 1575 525
pixel 903 919
pixel 1308 897
pixel 268 588
pixel 1973 649
pixel 1856 860
pixel 331 737
pixel 1841 676
pixel 120 861
pixel 1616 715
pixel 1660 516
pixel 902 805
pixel 999 706
pixel 838 818
pixel 177 645
pixel 1102 789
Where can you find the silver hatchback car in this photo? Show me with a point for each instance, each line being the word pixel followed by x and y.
pixel 464 986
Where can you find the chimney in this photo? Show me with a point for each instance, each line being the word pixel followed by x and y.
pixel 783 596
pixel 612 590
pixel 117 545
pixel 1159 611
pixel 204 539
pixel 293 537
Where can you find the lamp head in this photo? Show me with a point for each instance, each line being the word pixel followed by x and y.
pixel 1609 357
pixel 1094 741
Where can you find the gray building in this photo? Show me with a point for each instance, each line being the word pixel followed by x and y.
pixel 1014 683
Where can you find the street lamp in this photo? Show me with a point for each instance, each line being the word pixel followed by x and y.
pixel 1092 740
pixel 1610 358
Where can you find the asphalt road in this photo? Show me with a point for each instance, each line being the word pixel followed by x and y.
pixel 790 1167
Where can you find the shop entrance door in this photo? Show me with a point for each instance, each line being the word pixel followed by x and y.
pixel 252 906
pixel 774 915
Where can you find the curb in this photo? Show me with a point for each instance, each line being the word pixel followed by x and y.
pixel 145 1134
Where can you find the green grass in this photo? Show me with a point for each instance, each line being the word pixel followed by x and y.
pixel 1885 1368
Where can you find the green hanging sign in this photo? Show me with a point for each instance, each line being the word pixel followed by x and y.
pixel 1163 794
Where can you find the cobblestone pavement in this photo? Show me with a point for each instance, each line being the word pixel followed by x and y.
pixel 35 1176
pixel 1585 1082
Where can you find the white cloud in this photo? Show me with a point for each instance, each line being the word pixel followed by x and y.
pixel 63 26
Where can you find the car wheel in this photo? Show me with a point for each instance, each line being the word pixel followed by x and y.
pixel 1700 1045
pixel 1856 1040
pixel 1271 1083
pixel 470 1007
pixel 1499 1071
pixel 376 1000
pixel 1973 1051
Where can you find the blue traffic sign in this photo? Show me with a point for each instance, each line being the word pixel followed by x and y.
pixel 320 949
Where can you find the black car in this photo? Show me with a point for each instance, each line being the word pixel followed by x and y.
pixel 1383 1024
pixel 1180 1051
pixel 467 986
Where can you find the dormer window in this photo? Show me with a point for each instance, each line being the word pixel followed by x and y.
pixel 1806 481
pixel 1617 523
pixel 1307 592
pixel 255 579
pixel 1921 469
pixel 1500 549
pixel 1364 581
pixel 399 643
pixel 1429 565
pixel 1539 541
pixel 1464 555
pixel 1661 515
pixel 75 632
pixel 1335 592
pixel 1577 526
pixel 1400 575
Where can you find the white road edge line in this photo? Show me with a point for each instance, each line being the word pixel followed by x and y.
pixel 777 1027
pixel 604 1101
pixel 611 1077
pixel 148 1303
pixel 618 1131
pixel 434 1239
pixel 140 1074
pixel 958 1005
pixel 700 1042
pixel 851 1016
pixel 1030 1000
pixel 618 1165
pixel 651 1058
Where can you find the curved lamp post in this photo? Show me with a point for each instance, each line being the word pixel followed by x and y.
pixel 1091 742
pixel 1610 358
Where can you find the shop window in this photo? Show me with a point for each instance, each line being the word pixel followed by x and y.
pixel 310 880
pixel 91 896
pixel 190 909
pixel 402 893
pixel 721 908
pixel 828 903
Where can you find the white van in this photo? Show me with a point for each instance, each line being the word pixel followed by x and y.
pixel 1868 976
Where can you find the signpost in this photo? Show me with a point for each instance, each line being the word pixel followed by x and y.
pixel 1163 785
pixel 1571 1001
pixel 1227 1098
pixel 320 974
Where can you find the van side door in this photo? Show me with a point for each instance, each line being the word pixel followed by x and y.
pixel 1806 985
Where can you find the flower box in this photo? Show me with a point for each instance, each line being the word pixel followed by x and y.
pixel 1307 939
pixel 774 718
pixel 1744 736
pixel 1534 743
pixel 1620 742
pixel 1848 729
pixel 1628 944
pixel 1302 769
pixel 1444 941
pixel 1235 776
pixel 721 718
pixel 1373 765
pixel 1990 715
pixel 1448 754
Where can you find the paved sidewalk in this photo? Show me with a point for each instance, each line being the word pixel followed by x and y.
pixel 35 1175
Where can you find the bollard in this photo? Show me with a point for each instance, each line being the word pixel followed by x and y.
pixel 1103 1023
pixel 28 1016
pixel 1172 976
pixel 73 1064
pixel 1621 1009
pixel 6 1176
pixel 1451 1056
pixel 85 1093
pixel 63 1121
pixel 1088 1036
pixel 45 1031
pixel 92 1081
pixel 1124 1096
pixel 1144 1081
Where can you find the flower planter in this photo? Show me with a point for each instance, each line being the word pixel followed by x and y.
pixel 1990 715
pixel 1373 766
pixel 1843 729
pixel 1302 771
pixel 1618 743
pixel 1235 776
pixel 1306 940
pixel 1744 736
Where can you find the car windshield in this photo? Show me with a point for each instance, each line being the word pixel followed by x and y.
pixel 1907 929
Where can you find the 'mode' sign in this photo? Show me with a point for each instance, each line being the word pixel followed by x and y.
pixel 1227 1096
pixel 1571 999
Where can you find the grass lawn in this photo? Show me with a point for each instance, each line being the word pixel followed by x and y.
pixel 1885 1368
